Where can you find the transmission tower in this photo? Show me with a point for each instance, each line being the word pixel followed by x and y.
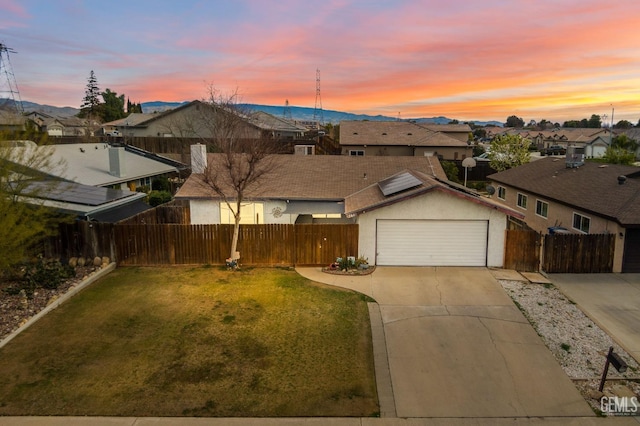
pixel 286 112
pixel 9 94
pixel 317 111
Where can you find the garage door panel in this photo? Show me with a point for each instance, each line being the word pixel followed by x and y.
pixel 432 242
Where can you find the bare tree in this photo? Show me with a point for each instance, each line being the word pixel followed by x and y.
pixel 244 155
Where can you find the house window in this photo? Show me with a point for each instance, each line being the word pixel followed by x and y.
pixel 542 208
pixel 356 152
pixel 581 223
pixel 502 193
pixel 250 213
pixel 522 201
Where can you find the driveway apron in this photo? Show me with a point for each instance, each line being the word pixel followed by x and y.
pixel 457 346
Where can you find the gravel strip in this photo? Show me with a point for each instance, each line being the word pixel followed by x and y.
pixel 579 345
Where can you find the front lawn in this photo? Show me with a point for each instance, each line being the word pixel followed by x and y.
pixel 195 342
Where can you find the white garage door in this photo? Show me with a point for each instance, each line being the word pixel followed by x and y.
pixel 432 242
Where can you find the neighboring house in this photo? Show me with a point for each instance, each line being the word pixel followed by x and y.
pixel 99 164
pixel 409 214
pixel 11 121
pixel 194 121
pixel 83 201
pixel 594 141
pixel 404 138
pixel 592 198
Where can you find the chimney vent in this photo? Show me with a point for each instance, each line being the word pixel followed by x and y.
pixel 117 161
pixel 198 158
pixel 622 180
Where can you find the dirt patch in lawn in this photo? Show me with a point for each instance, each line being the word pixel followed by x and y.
pixel 195 342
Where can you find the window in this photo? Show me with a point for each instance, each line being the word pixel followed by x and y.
pixel 356 152
pixel 522 201
pixel 502 192
pixel 542 208
pixel 581 223
pixel 250 213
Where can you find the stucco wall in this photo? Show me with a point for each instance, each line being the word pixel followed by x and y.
pixel 436 206
pixel 204 212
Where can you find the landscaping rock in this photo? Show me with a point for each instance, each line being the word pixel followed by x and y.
pixel 97 261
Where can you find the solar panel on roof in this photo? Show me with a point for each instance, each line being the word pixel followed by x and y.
pixel 398 183
pixel 77 193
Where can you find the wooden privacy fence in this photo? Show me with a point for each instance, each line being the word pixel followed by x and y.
pixel 578 253
pixel 527 250
pixel 178 244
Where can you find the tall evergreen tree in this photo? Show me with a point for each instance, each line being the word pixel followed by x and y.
pixel 91 101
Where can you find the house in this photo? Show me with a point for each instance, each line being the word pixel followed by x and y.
pixel 583 197
pixel 110 166
pixel 405 138
pixel 42 187
pixel 193 120
pixel 407 211
pixel 11 121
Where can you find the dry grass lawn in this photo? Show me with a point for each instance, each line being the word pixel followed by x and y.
pixel 195 342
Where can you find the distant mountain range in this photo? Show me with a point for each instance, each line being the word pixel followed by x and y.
pixel 292 112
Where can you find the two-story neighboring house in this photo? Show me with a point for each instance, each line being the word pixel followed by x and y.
pixel 405 138
pixel 556 194
pixel 196 120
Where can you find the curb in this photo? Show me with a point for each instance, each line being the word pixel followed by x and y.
pixel 68 295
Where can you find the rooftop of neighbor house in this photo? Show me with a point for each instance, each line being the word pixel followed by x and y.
pixel 399 133
pixel 608 190
pixel 88 163
pixel 314 177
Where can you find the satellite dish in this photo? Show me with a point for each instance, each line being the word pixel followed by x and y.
pixel 468 162
pixel 491 190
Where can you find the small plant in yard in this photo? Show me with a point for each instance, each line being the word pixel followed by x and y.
pixel 44 273
pixel 565 347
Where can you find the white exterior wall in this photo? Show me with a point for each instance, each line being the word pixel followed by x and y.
pixel 273 209
pixel 204 212
pixel 207 212
pixel 436 206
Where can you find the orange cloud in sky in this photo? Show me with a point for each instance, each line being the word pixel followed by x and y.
pixel 466 60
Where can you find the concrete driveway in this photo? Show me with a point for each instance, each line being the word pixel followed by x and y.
pixel 457 346
pixel 611 300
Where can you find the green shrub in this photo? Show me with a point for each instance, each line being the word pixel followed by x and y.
pixel 158 197
pixel 46 273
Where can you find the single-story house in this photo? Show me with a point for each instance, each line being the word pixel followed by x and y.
pixel 557 194
pixel 408 212
pixel 404 138
pixel 104 165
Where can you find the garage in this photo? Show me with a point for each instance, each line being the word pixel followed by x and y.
pixel 431 242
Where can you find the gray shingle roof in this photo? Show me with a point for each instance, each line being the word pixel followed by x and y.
pixel 592 187
pixel 318 177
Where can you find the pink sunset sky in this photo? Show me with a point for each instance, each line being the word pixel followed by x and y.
pixel 465 59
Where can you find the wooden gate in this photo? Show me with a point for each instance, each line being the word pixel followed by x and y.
pixel 522 250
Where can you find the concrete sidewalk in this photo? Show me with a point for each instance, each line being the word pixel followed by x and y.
pixel 188 421
pixel 611 300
